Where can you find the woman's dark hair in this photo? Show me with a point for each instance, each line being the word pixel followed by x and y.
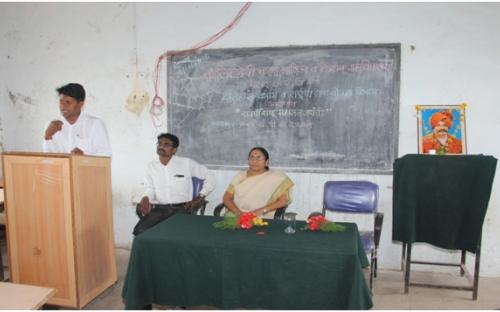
pixel 171 137
pixel 74 90
pixel 263 151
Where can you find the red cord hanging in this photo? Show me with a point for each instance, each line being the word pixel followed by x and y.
pixel 157 103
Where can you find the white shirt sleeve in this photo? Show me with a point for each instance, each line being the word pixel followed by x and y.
pixel 89 134
pixel 149 190
pixel 100 140
pixel 51 146
pixel 203 173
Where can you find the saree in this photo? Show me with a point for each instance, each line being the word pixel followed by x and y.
pixel 257 191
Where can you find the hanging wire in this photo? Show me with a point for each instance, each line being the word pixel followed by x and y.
pixel 157 103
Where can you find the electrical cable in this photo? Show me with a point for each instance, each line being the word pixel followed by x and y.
pixel 157 103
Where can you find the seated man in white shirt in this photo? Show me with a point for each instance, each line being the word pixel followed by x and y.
pixel 76 133
pixel 168 182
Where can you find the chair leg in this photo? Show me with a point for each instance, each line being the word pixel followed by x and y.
pixel 375 264
pixel 2 276
pixel 372 267
pixel 403 260
pixel 407 267
pixel 475 285
pixel 1 267
pixel 462 262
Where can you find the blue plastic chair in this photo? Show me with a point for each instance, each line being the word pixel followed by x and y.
pixel 357 197
pixel 197 186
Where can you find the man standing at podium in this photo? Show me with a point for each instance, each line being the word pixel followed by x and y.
pixel 76 133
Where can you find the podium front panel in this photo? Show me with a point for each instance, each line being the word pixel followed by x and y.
pixel 60 224
pixel 39 224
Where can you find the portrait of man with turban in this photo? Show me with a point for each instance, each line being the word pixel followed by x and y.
pixel 440 139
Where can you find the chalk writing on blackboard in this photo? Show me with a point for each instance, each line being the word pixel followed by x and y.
pixel 315 108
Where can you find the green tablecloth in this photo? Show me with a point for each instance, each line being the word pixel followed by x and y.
pixel 441 200
pixel 185 261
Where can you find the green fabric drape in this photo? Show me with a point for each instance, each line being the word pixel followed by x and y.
pixel 185 261
pixel 441 200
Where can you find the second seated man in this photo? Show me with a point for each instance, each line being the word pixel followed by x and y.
pixel 168 183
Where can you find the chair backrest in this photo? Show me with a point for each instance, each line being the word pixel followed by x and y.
pixel 350 196
pixel 197 186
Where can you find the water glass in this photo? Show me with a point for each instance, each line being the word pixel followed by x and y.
pixel 289 218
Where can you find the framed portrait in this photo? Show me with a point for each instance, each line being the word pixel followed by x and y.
pixel 441 129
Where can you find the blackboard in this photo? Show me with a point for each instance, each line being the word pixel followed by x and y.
pixel 331 108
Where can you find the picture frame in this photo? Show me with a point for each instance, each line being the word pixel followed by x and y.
pixel 441 129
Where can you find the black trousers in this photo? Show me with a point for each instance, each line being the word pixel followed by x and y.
pixel 157 214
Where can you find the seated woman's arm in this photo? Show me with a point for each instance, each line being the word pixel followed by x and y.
pixel 229 203
pixel 282 201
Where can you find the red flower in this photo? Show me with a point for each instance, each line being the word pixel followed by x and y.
pixel 246 220
pixel 315 222
pixel 314 226
pixel 320 223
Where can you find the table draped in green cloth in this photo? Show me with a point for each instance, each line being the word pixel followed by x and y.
pixel 441 200
pixel 185 261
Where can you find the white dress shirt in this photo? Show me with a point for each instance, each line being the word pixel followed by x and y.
pixel 88 133
pixel 172 184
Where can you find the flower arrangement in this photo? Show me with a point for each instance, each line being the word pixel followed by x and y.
pixel 320 223
pixel 246 221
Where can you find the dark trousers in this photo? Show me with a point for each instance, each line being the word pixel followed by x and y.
pixel 157 214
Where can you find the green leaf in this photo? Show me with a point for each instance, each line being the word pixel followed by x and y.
pixel 331 227
pixel 327 226
pixel 230 221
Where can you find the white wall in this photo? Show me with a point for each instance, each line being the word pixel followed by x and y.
pixel 450 54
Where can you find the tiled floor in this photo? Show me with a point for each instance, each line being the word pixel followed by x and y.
pixel 388 292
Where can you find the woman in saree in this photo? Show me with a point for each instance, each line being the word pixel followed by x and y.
pixel 258 189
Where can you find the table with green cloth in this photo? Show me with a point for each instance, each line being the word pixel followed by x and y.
pixel 441 199
pixel 185 261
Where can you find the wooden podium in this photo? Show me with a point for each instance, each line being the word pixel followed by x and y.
pixel 60 224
